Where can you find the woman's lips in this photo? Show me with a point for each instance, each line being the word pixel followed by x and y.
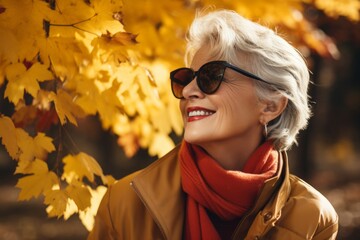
pixel 197 113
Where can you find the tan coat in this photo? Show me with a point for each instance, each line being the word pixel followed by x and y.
pixel 149 204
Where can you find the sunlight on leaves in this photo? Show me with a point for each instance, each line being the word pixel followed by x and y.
pixel 79 193
pixel 87 216
pixel 57 201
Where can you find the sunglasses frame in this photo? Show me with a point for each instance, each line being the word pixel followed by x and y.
pixel 225 64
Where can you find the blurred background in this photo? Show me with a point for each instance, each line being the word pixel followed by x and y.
pixel 327 156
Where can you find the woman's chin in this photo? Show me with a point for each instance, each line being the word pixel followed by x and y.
pixel 196 137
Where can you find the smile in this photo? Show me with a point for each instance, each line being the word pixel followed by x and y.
pixel 199 113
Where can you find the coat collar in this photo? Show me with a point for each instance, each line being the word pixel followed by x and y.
pixel 159 187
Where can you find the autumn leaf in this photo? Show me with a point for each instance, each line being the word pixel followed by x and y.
pixel 20 80
pixel 79 166
pixel 160 145
pixel 7 133
pixel 66 107
pixel 108 15
pixel 26 145
pixel 16 86
pixel 108 179
pixel 20 145
pixel 57 201
pixel 31 148
pixel 79 193
pixel 26 167
pixel 43 145
pixel 40 182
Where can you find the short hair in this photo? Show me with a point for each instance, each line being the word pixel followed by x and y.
pixel 259 50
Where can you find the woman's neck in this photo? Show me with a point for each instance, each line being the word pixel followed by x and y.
pixel 231 155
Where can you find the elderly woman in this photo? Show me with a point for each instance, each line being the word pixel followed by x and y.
pixel 243 100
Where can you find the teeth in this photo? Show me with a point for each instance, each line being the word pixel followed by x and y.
pixel 199 113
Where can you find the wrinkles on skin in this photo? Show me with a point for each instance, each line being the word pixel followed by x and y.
pixel 233 131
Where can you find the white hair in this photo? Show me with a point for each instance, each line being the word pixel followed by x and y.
pixel 262 52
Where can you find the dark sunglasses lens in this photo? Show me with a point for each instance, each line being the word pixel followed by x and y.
pixel 210 76
pixel 179 79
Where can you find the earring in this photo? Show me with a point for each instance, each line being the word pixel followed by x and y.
pixel 265 130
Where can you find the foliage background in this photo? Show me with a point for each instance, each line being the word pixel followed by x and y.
pixel 84 84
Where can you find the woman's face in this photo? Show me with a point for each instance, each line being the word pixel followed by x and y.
pixel 230 115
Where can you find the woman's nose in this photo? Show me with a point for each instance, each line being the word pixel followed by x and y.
pixel 192 90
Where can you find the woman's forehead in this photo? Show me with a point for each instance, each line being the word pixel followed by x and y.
pixel 202 56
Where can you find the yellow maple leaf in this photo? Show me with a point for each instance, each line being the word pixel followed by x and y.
pixel 40 182
pixel 57 201
pixel 23 19
pixel 42 145
pixel 26 145
pixel 65 107
pixel 40 72
pixel 79 166
pixel 108 16
pixel 160 145
pixel 108 104
pixel 15 88
pixel 88 92
pixel 20 80
pixel 8 45
pixel 31 148
pixel 79 193
pixel 108 179
pixel 26 167
pixel 160 120
pixel 175 116
pixel 60 53
pixel 7 133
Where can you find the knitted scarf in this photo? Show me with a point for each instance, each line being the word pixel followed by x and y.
pixel 228 194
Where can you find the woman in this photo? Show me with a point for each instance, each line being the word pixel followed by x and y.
pixel 243 101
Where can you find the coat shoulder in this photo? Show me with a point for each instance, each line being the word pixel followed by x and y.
pixel 307 214
pixel 307 196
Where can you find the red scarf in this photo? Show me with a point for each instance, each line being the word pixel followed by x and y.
pixel 228 194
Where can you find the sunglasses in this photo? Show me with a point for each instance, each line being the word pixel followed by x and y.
pixel 208 77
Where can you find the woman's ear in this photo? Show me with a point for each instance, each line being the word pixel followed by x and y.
pixel 272 109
